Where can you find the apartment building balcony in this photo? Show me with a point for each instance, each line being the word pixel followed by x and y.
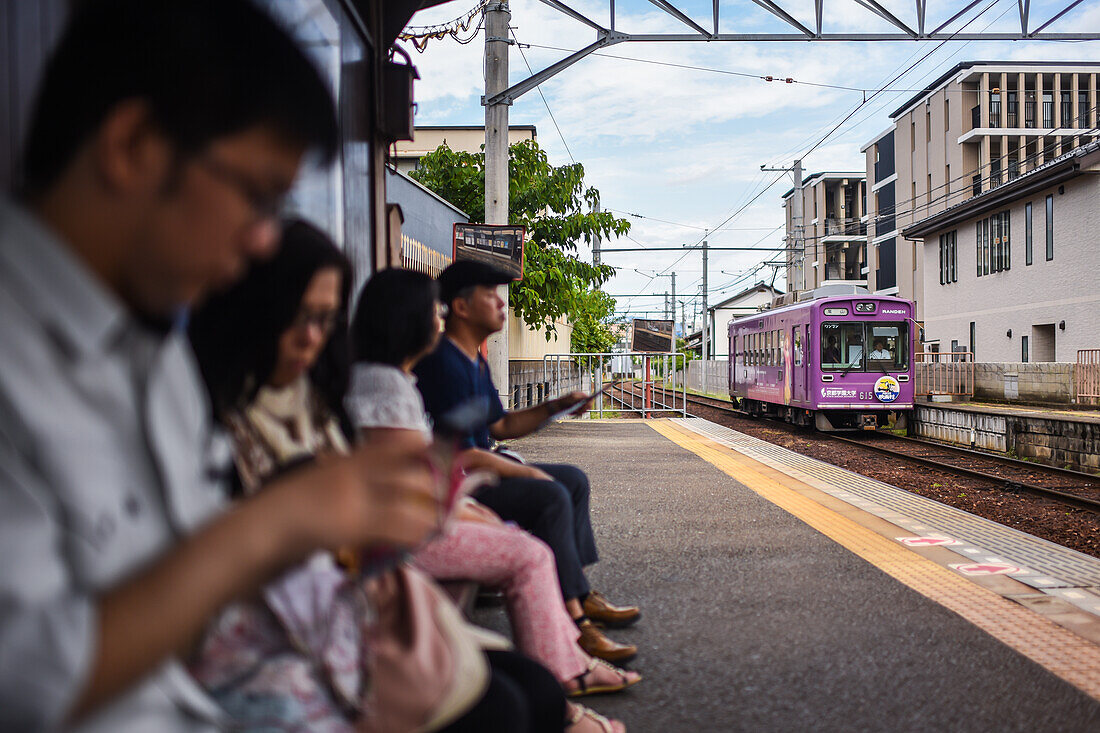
pixel 839 230
pixel 846 261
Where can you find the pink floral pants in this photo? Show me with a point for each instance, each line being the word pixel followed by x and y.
pixel 523 567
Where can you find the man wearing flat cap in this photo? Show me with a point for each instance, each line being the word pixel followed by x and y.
pixel 550 501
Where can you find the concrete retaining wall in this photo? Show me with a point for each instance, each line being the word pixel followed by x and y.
pixel 1046 382
pixel 1057 441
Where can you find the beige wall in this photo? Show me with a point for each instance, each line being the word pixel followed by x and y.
pixel 468 139
pixel 523 343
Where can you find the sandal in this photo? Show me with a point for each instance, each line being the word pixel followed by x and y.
pixel 580 712
pixel 583 688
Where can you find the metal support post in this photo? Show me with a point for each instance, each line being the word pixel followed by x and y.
pixel 673 303
pixel 706 317
pixel 596 242
pixel 497 16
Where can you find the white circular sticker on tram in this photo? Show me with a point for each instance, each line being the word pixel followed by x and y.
pixel 887 389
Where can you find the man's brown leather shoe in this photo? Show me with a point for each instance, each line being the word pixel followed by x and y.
pixel 597 645
pixel 604 613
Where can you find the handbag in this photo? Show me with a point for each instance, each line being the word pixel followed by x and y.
pixel 426 668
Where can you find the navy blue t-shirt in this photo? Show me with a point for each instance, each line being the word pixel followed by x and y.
pixel 448 378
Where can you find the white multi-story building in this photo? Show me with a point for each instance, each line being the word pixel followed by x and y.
pixel 979 126
pixel 1008 273
pixel 832 245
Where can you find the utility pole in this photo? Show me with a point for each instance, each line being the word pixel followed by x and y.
pixel 706 318
pixel 796 240
pixel 799 226
pixel 666 305
pixel 497 16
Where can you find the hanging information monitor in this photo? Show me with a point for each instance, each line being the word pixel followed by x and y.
pixel 499 245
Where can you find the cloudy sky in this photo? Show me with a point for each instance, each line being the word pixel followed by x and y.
pixel 678 150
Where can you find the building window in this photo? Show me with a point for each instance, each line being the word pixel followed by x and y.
pixel 1067 110
pixel 1048 109
pixel 947 114
pixel 947 182
pixel 1082 109
pixel 995 109
pixel 948 257
pixel 928 125
pixel 1023 349
pixel 993 250
pixel 1013 110
pixel 912 135
pixel 973 340
pixel 1027 233
pixel 1050 228
pixel 1029 109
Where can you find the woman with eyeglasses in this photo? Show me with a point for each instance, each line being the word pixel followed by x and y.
pixel 398 321
pixel 273 351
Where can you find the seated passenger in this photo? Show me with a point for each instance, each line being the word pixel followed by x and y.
pixel 831 353
pixel 273 350
pixel 396 323
pixel 880 351
pixel 549 501
pixel 136 202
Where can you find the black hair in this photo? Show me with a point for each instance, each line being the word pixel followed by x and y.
pixel 235 334
pixel 206 68
pixel 395 317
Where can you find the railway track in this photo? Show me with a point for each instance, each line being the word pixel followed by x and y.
pixel 1072 488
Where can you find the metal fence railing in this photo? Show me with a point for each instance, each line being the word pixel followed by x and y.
pixel 948 373
pixel 1086 375
pixel 648 384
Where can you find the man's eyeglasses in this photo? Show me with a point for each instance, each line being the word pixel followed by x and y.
pixel 324 320
pixel 266 205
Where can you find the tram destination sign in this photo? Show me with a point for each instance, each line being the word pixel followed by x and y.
pixel 499 245
pixel 653 337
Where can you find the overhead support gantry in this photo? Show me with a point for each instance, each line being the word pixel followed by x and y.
pixel 914 30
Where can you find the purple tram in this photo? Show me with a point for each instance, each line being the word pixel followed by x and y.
pixel 837 363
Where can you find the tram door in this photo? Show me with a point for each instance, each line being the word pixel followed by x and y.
pixel 800 363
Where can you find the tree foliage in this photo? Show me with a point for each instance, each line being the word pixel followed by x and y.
pixel 558 211
pixel 591 330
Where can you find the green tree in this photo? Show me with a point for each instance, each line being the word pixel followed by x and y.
pixel 558 211
pixel 591 321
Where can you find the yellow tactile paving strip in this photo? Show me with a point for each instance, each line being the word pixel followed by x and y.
pixel 1063 653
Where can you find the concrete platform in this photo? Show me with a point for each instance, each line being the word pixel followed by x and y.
pixel 754 620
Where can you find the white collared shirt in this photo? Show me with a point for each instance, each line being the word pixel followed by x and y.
pixel 107 458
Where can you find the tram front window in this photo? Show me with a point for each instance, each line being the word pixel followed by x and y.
pixel 847 346
pixel 842 346
pixel 889 347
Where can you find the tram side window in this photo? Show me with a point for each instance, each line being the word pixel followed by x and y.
pixel 842 346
